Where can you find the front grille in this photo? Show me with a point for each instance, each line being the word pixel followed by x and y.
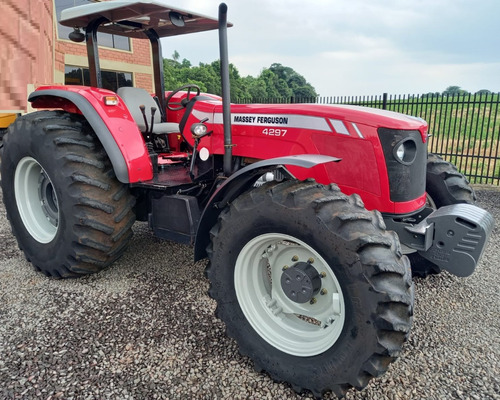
pixel 406 181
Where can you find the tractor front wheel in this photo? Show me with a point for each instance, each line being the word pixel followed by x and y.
pixel 67 210
pixel 310 285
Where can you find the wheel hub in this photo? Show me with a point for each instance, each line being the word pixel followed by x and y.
pixel 48 198
pixel 301 282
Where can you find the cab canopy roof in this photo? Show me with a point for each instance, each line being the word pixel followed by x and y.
pixel 132 17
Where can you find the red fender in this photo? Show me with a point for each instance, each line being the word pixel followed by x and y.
pixel 113 125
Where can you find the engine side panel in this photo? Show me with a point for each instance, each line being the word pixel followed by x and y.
pixel 350 133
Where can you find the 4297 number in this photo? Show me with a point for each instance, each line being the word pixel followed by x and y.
pixel 274 132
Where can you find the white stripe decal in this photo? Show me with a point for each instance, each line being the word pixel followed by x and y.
pixel 339 127
pixel 357 130
pixel 200 115
pixel 283 120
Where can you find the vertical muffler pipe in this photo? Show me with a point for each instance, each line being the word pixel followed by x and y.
pixel 226 90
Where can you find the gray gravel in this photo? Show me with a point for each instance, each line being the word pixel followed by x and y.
pixel 145 329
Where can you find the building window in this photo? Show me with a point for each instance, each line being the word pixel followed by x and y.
pixel 104 39
pixel 111 80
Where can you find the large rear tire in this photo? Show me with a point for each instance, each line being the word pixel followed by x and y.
pixel 69 213
pixel 351 311
pixel 2 134
pixel 445 186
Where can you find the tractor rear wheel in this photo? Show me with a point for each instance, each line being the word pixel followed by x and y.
pixel 310 285
pixel 445 186
pixel 68 211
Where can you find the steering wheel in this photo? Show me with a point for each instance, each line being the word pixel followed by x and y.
pixel 175 105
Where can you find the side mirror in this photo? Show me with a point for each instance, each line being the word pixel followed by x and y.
pixel 176 19
pixel 77 35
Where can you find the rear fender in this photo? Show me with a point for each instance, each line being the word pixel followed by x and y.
pixel 240 182
pixel 113 125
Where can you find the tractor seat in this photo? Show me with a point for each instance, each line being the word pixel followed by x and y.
pixel 135 97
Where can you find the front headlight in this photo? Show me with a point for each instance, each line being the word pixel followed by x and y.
pixel 198 130
pixel 405 151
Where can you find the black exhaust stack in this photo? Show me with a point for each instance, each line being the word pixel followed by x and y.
pixel 226 90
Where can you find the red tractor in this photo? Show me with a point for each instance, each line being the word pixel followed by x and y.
pixel 309 214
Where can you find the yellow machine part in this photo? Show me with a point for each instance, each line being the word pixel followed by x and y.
pixel 6 120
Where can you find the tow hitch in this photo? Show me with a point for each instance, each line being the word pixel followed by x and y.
pixel 452 237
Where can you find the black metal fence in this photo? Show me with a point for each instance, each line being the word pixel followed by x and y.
pixel 465 129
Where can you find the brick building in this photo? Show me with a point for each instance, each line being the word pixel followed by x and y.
pixel 35 50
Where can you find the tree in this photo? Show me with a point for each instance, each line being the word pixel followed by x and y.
pixel 483 92
pixel 282 72
pixel 276 83
pixel 256 88
pixel 171 74
pixel 283 89
pixel 271 81
pixel 186 63
pixel 454 91
pixel 304 94
pixel 295 81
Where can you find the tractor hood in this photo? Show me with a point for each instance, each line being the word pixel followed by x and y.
pixel 340 119
pixel 320 116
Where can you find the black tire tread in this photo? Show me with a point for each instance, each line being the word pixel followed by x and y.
pixel 459 188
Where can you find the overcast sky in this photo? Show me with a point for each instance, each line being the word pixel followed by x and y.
pixel 358 47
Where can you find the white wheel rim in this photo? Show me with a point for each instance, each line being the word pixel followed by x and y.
pixel 302 330
pixel 36 200
pixel 429 202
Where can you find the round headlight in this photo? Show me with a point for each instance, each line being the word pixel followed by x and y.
pixel 198 130
pixel 405 151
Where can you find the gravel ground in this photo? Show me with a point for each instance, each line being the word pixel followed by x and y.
pixel 145 329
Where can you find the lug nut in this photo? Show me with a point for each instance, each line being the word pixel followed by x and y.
pixel 323 274
pixel 323 291
pixel 311 260
pixel 313 300
pixel 285 267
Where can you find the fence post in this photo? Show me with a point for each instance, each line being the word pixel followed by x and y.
pixel 384 101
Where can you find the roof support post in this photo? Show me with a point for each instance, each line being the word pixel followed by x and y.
pixel 93 51
pixel 226 90
pixel 159 81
